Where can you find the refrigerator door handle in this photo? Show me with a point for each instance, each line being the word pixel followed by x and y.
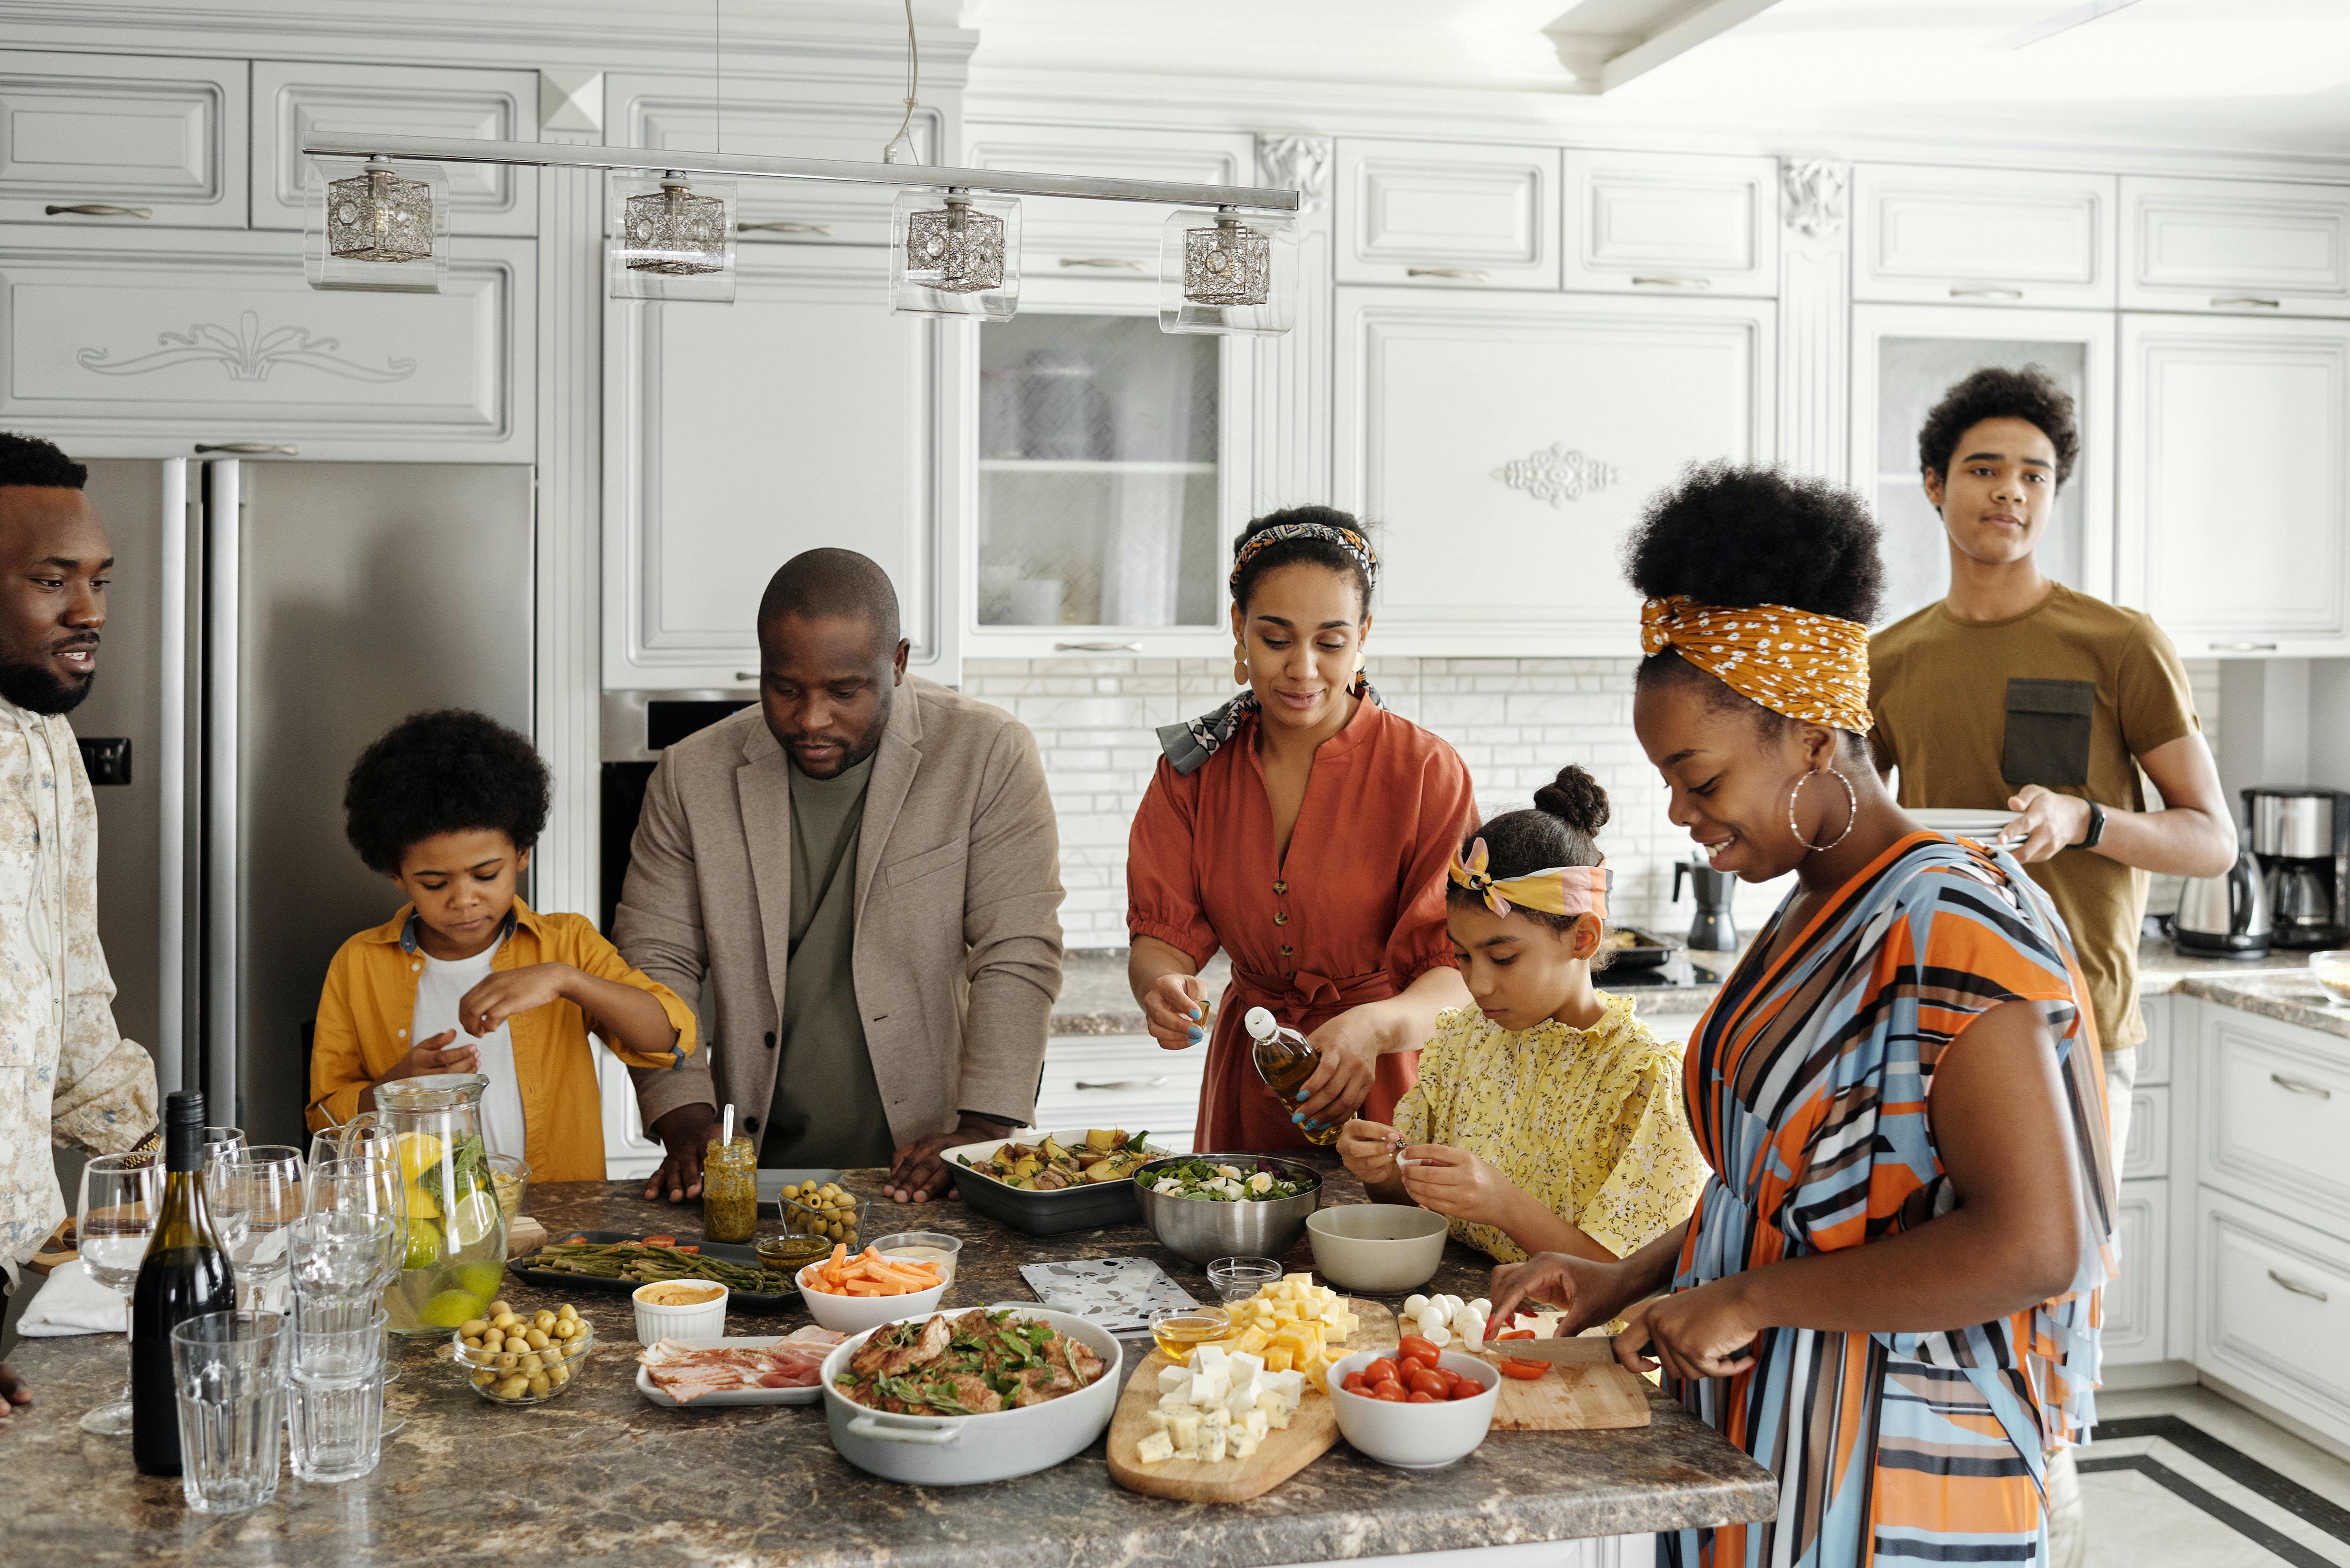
pixel 173 1062
pixel 223 495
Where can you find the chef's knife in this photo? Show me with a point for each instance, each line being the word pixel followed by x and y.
pixel 1571 1348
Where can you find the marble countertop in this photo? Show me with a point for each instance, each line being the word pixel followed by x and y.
pixel 2278 986
pixel 600 1474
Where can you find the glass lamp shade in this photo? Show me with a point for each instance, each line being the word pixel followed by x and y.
pixel 374 224
pixel 954 255
pixel 1223 271
pixel 671 239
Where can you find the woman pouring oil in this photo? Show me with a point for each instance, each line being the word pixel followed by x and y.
pixel 1304 830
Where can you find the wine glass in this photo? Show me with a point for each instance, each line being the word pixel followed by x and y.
pixel 120 1194
pixel 254 1192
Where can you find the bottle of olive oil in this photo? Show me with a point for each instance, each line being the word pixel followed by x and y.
pixel 1284 1060
pixel 184 1274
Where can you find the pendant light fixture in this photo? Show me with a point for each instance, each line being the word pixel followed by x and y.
pixel 671 239
pixel 374 224
pixel 1222 272
pixel 954 255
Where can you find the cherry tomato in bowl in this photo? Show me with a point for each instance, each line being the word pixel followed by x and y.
pixel 1414 1347
pixel 1382 1370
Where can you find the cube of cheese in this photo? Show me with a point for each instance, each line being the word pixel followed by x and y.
pixel 1243 1446
pixel 1289 1385
pixel 1211 1419
pixel 1214 1442
pixel 1175 1401
pixel 1275 1413
pixel 1242 1398
pixel 1173 1378
pixel 1303 1279
pixel 1208 1359
pixel 1243 1364
pixel 1278 1358
pixel 1211 1386
pixel 1310 1311
pixel 1183 1432
pixel 1256 1424
pixel 1159 1419
pixel 1252 1343
pixel 1155 1450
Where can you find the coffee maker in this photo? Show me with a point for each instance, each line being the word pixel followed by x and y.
pixel 2301 836
pixel 1713 930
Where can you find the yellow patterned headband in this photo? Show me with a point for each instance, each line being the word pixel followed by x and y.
pixel 1805 666
pixel 1559 890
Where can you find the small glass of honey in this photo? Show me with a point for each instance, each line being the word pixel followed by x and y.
pixel 1181 1330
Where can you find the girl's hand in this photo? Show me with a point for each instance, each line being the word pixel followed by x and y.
pixel 437 1054
pixel 1175 1010
pixel 500 996
pixel 1589 1292
pixel 1702 1333
pixel 1368 1150
pixel 1349 1044
pixel 1457 1185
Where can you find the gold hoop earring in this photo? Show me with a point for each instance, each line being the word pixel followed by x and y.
pixel 1240 665
pixel 1852 811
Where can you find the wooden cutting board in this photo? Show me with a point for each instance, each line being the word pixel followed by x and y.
pixel 1312 1429
pixel 1590 1392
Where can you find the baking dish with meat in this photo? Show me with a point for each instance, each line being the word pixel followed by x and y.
pixel 952 1398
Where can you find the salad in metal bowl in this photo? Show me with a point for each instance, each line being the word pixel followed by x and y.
pixel 1227 1182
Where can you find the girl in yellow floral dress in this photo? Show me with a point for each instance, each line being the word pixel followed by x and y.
pixel 1546 1118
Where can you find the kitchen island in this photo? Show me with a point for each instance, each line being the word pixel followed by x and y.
pixel 600 1473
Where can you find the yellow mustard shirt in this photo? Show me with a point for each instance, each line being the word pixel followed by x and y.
pixel 1590 1122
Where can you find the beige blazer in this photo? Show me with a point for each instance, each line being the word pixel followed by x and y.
pixel 958 949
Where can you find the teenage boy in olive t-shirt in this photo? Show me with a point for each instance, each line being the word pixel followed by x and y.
pixel 2015 693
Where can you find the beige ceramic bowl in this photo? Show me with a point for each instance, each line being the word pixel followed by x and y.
pixel 1377 1248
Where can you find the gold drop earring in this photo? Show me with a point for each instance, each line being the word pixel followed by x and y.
pixel 1240 665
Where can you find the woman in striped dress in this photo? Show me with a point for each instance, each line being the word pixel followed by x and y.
pixel 1890 1292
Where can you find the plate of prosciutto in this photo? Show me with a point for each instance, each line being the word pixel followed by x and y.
pixel 749 1371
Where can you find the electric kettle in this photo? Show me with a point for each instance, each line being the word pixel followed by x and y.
pixel 2227 916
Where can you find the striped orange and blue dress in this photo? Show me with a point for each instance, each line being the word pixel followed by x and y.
pixel 1808 1083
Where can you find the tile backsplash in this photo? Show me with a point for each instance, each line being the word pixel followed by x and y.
pixel 1515 722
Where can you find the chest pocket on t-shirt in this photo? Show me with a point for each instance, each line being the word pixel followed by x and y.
pixel 2048 726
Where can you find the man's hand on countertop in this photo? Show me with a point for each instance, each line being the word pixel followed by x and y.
pixel 684 1131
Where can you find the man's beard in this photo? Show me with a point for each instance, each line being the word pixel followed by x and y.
pixel 41 689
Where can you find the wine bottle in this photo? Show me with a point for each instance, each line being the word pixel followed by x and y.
pixel 184 1274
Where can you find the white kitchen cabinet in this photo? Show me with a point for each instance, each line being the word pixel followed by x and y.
pixel 1448 215
pixel 2275 1116
pixel 768 120
pixel 160 141
pixel 139 343
pixel 737 436
pixel 2162 1029
pixel 2273 1310
pixel 1504 443
pixel 2136 1303
pixel 1988 237
pixel 1075 252
pixel 1669 223
pixel 1904 357
pixel 294 100
pixel 2147 1157
pixel 629 1152
pixel 1124 1081
pixel 2235 246
pixel 2234 483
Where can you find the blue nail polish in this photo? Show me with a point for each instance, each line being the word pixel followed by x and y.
pixel 1195 1015
pixel 1297 1116
pixel 1197 1035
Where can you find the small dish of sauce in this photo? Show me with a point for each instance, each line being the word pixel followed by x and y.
pixel 679 1295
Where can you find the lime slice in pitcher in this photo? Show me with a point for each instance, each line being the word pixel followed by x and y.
pixel 423 1244
pixel 450 1308
pixel 472 1219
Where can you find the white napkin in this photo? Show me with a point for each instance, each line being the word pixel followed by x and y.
pixel 73 1302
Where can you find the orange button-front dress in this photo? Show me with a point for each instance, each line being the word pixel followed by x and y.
pixel 1353 914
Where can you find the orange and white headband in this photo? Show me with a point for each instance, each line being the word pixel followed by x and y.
pixel 1558 890
pixel 1805 666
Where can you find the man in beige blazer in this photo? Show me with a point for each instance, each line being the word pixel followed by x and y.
pixel 866 869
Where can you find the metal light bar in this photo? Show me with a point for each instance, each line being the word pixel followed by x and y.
pixel 996 182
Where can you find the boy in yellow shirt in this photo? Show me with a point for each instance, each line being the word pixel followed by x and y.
pixel 467 978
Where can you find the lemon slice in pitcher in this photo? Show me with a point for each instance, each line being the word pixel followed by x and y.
pixel 472 1220
pixel 418 1152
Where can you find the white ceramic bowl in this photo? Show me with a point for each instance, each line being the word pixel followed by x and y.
pixel 1416 1437
pixel 960 1450
pixel 933 1240
pixel 855 1315
pixel 703 1321
pixel 1377 1248
pixel 2330 970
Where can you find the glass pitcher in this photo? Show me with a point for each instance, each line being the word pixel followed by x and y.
pixel 456 1227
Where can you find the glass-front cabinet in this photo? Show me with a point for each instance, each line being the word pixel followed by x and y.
pixel 1905 359
pixel 1099 515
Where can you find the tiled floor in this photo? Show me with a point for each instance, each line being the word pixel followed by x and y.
pixel 2179 1477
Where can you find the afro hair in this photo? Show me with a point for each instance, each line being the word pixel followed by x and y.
pixel 448 771
pixel 1995 392
pixel 29 460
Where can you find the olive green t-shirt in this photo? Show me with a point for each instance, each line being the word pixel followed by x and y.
pixel 2067 695
pixel 827 1109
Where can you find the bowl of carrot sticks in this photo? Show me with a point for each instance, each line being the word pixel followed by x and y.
pixel 851 1292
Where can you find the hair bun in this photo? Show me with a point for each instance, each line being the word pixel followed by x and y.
pixel 1576 798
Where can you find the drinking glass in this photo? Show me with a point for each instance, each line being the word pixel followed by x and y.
pixel 228 1369
pixel 219 1138
pixel 334 1413
pixel 119 1196
pixel 336 1259
pixel 373 1183
pixel 253 1193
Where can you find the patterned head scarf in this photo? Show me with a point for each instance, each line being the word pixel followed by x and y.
pixel 1558 890
pixel 1805 666
pixel 1190 744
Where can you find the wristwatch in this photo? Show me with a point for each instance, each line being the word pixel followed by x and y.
pixel 2097 827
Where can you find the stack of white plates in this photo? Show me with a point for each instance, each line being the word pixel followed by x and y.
pixel 1964 822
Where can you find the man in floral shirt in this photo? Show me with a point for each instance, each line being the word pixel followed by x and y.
pixel 66 1075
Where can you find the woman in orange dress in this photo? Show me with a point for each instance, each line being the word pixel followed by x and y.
pixel 1304 830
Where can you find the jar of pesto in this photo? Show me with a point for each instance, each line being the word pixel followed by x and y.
pixel 729 1190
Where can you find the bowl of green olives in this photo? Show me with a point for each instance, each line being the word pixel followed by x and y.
pixel 518 1358
pixel 825 1209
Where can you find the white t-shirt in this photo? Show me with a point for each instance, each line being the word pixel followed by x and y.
pixel 445 983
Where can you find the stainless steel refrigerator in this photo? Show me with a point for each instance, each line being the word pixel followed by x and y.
pixel 266 620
